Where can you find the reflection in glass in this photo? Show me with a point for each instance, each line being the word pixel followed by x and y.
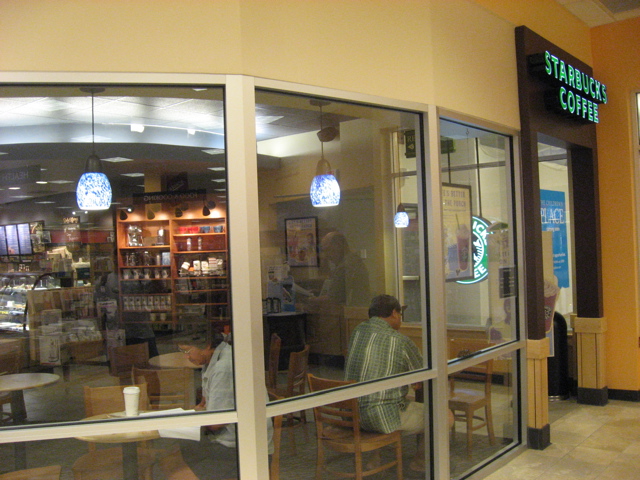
pixel 482 396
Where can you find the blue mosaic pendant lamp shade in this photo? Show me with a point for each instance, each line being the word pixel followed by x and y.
pixel 401 219
pixel 324 190
pixel 93 191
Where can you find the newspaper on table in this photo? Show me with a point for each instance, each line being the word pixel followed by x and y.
pixel 185 433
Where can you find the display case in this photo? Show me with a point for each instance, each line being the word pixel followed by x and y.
pixel 173 272
pixel 13 299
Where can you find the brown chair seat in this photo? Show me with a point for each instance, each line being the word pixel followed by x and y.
pixel 42 473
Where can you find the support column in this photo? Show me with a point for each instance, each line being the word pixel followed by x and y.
pixel 538 430
pixel 590 346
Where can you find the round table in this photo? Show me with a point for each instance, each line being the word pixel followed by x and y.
pixel 16 383
pixel 128 441
pixel 172 360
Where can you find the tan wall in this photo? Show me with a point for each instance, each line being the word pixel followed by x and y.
pixel 617 64
pixel 453 53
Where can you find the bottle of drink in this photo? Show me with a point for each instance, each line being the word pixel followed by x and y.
pixel 199 243
pixel 189 243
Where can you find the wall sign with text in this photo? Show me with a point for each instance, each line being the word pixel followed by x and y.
pixel 573 92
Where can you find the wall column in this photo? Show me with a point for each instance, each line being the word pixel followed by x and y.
pixel 590 346
pixel 538 430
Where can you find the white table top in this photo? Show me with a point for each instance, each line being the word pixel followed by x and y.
pixel 25 381
pixel 172 360
pixel 125 437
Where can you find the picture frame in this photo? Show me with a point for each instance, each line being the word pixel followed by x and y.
pixel 456 219
pixel 301 241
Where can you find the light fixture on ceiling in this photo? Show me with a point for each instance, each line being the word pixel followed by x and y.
pixel 325 190
pixel 124 211
pixel 93 191
pixel 401 219
pixel 207 206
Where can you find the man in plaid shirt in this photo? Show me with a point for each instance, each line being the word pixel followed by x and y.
pixel 378 350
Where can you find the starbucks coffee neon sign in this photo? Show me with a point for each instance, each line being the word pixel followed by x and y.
pixel 575 93
pixel 480 251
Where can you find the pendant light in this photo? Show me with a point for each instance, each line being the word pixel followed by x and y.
pixel 325 190
pixel 94 190
pixel 401 218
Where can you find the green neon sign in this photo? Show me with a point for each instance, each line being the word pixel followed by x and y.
pixel 479 231
pixel 576 94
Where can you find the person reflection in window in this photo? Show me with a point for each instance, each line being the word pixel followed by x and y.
pixel 348 282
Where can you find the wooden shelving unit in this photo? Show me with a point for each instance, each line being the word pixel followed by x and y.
pixel 177 280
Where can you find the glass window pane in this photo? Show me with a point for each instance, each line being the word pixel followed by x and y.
pixel 115 456
pixel 481 288
pixel 484 391
pixel 85 295
pixel 301 454
pixel 322 266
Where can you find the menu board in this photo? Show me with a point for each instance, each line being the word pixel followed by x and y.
pixel 3 241
pixel 13 247
pixel 24 239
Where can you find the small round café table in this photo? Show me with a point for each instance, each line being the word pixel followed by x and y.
pixel 17 383
pixel 172 360
pixel 128 440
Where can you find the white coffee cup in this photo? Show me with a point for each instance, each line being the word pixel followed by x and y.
pixel 131 401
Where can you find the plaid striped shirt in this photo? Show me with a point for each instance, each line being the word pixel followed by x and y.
pixel 376 351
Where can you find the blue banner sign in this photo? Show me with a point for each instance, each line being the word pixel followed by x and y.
pixel 553 214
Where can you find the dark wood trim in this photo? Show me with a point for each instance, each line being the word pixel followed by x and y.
pixel 539 438
pixel 625 395
pixel 593 396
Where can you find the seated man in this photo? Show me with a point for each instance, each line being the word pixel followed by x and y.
pixel 378 350
pixel 218 387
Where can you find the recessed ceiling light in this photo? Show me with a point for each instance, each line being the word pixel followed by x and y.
pixel 14 188
pixel 21 196
pixel 4 153
pixel 191 131
pixel 137 174
pixel 65 208
pixel 42 182
pixel 199 89
pixel 214 151
pixel 117 159
pixel 137 127
pixel 222 196
pixel 219 189
pixel 216 169
pixel 43 169
pixel 218 180
pixel 45 202
pixel 60 182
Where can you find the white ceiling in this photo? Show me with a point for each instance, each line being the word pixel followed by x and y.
pixel 601 12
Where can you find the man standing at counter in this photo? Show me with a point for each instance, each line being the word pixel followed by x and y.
pixel 378 350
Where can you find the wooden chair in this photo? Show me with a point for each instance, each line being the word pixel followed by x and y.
pixel 174 467
pixel 274 358
pixel 42 473
pixel 296 385
pixel 122 359
pixel 167 387
pixel 10 362
pixel 338 429
pixel 464 402
pixel 107 462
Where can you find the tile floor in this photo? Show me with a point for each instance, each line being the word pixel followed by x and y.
pixel 587 443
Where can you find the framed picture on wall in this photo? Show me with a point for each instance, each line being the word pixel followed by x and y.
pixel 456 219
pixel 301 241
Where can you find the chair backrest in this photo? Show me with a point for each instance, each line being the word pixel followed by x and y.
pixel 121 359
pixel 166 387
pixel 343 414
pixel 464 347
pixel 99 400
pixel 274 359
pixel 11 357
pixel 297 374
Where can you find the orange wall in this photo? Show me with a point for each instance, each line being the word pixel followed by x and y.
pixel 616 63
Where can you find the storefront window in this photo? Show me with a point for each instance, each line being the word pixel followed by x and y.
pixel 138 293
